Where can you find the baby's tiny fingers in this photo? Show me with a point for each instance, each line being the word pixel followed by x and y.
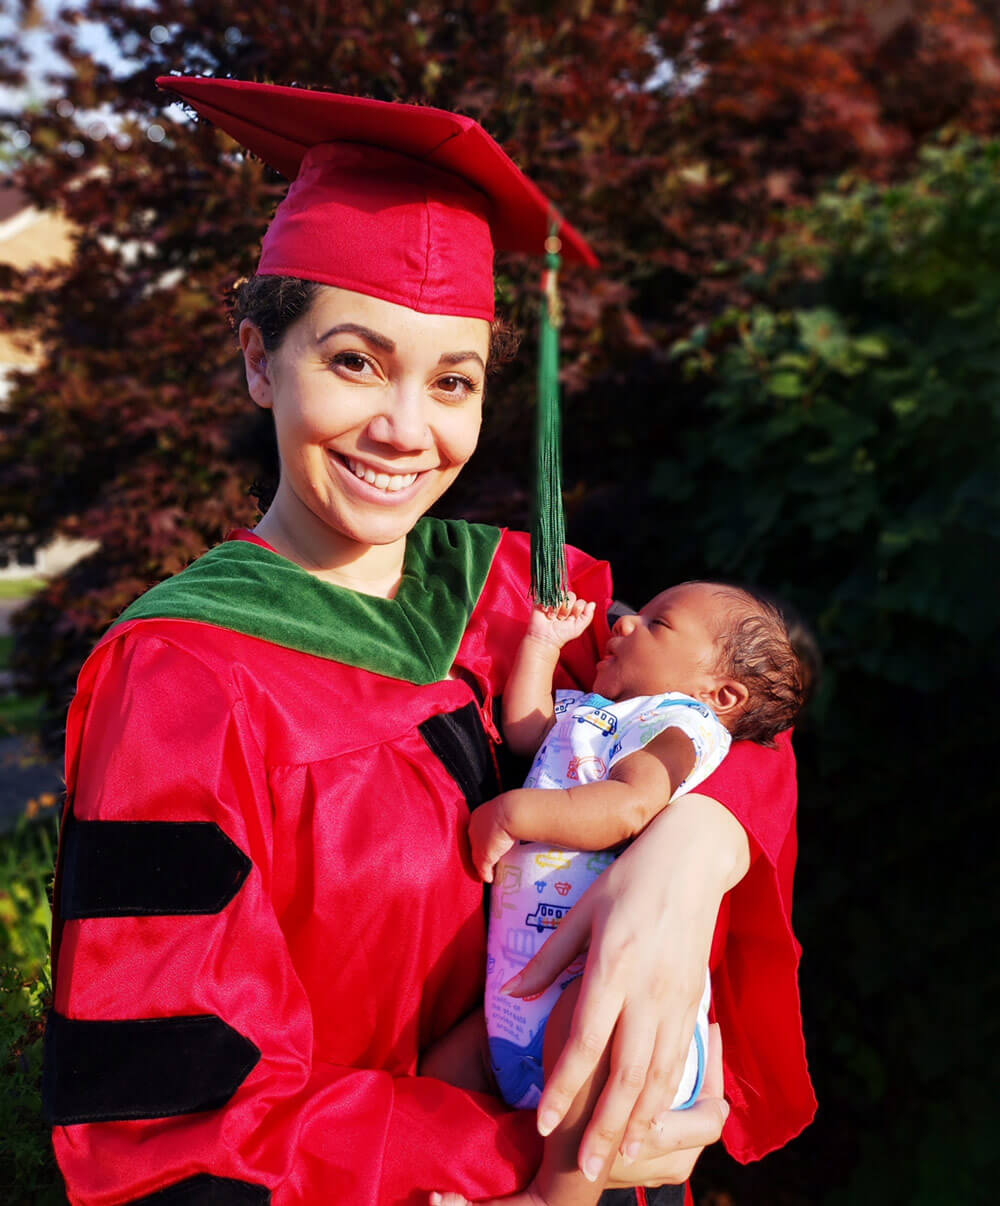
pixel 485 870
pixel 567 606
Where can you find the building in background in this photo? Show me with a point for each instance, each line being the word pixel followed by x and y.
pixel 28 237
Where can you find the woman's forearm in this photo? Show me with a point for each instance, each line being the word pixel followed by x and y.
pixel 699 841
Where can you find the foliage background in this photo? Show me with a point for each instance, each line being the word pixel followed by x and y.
pixel 787 370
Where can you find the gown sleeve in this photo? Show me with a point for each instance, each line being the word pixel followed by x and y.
pixel 755 957
pixel 179 1055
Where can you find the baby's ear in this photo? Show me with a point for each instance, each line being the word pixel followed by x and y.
pixel 727 696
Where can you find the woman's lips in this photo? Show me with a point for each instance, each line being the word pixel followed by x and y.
pixel 391 483
pixel 373 484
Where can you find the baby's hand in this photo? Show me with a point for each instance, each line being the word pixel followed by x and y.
pixel 488 840
pixel 560 625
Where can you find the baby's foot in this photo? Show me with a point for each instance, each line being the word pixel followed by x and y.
pixel 528 1197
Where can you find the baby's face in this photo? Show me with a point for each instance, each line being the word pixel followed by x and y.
pixel 671 645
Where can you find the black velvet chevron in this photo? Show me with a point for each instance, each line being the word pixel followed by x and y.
pixel 147 868
pixel 207 1190
pixel 141 1068
pixel 459 740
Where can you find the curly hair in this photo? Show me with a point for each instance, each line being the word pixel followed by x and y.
pixel 768 648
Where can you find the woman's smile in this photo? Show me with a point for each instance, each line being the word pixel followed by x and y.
pixel 385 482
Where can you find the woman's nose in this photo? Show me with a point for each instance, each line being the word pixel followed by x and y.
pixel 403 423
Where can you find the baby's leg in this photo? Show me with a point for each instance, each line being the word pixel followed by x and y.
pixel 460 1056
pixel 558 1181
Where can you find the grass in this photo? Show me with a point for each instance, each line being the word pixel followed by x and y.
pixel 20 588
pixel 19 714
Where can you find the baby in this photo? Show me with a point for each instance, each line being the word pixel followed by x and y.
pixel 701 665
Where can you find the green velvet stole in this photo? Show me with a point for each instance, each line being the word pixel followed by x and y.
pixel 414 637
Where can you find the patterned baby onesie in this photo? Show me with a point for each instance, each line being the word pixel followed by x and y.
pixel 535 885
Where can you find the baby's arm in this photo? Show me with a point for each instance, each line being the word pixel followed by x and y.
pixel 592 816
pixel 527 697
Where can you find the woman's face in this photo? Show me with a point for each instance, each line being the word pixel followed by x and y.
pixel 376 409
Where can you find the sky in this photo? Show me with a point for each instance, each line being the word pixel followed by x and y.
pixel 42 59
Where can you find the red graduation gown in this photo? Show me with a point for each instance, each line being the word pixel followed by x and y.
pixel 344 931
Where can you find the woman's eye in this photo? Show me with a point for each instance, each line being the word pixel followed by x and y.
pixel 353 362
pixel 456 386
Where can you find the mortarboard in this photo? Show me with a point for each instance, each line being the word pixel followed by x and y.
pixel 402 202
pixel 405 203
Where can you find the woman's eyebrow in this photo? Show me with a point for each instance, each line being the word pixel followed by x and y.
pixel 457 358
pixel 382 342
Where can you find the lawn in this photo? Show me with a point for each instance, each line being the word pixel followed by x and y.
pixel 19 588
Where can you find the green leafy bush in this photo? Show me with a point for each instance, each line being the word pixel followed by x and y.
pixel 27 1168
pixel 856 444
pixel 846 453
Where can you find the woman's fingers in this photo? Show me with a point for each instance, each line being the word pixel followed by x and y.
pixel 694 1128
pixel 666 1067
pixel 670 1150
pixel 560 949
pixel 700 1124
pixel 590 1032
pixel 631 1051
pixel 714 1085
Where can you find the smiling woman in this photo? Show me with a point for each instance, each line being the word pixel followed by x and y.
pixel 376 408
pixel 266 908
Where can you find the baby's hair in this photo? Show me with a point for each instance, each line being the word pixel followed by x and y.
pixel 770 650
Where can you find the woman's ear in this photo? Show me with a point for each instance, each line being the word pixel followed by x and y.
pixel 255 362
pixel 727 696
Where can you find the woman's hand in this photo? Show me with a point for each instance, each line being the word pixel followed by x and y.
pixel 648 922
pixel 671 1149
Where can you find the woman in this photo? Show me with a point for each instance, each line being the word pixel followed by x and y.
pixel 266 910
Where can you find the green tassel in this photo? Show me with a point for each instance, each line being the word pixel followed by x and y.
pixel 549 575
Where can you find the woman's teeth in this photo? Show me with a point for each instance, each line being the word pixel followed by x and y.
pixel 381 481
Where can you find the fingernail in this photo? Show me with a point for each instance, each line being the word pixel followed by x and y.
pixel 631 1151
pixel 725 1109
pixel 592 1168
pixel 511 984
pixel 548 1120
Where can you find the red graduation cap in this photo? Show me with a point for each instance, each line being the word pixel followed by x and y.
pixel 396 201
